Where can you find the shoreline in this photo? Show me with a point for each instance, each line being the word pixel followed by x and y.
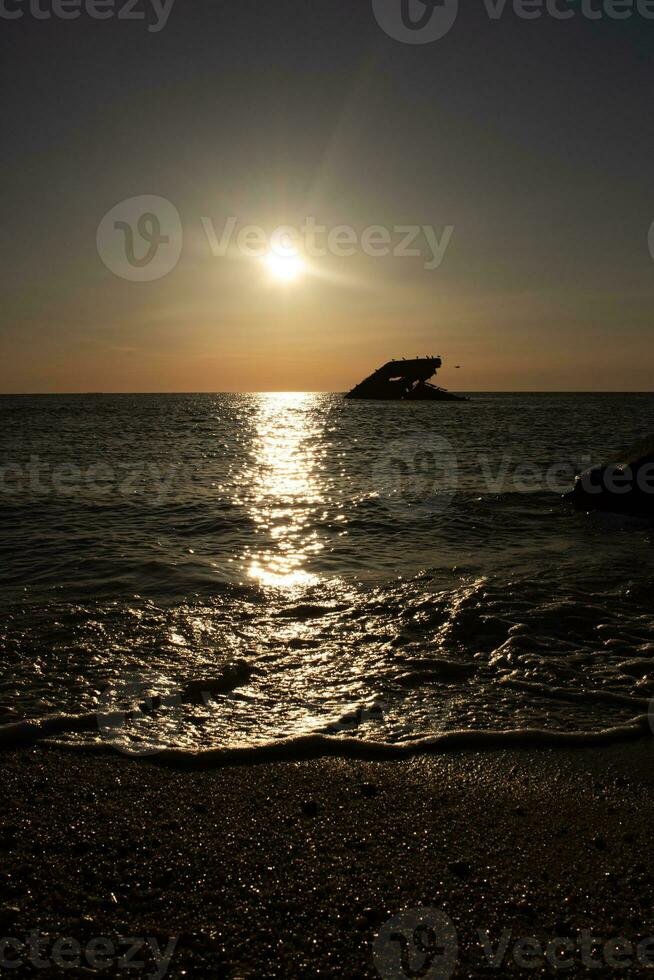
pixel 293 868
pixel 313 746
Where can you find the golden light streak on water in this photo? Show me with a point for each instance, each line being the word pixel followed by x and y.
pixel 284 470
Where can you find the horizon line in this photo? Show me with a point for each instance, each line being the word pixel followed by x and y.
pixel 324 391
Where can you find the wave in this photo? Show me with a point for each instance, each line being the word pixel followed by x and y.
pixel 312 746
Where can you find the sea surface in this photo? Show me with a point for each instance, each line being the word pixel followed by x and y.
pixel 206 571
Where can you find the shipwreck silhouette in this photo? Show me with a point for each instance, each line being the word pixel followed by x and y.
pixel 405 380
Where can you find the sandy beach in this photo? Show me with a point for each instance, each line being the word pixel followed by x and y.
pixel 292 869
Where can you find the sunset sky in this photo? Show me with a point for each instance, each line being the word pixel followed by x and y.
pixel 532 139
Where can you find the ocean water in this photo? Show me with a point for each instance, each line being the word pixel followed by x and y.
pixel 208 571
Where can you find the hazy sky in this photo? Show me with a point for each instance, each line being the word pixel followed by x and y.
pixel 529 142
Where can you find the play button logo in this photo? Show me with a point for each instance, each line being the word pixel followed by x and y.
pixel 416 21
pixel 418 942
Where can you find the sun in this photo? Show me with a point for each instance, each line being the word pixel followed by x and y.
pixel 283 268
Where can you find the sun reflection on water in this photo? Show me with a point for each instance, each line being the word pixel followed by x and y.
pixel 284 490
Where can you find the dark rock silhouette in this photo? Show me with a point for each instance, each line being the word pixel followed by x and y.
pixel 625 486
pixel 404 381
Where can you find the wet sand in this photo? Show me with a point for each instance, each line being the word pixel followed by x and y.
pixel 291 869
